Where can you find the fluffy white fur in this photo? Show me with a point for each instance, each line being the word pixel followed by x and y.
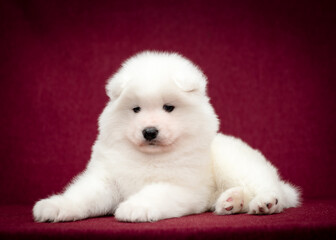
pixel 188 168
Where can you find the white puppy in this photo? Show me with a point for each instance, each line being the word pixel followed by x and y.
pixel 158 155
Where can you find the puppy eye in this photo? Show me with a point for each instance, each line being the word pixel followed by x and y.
pixel 168 108
pixel 136 109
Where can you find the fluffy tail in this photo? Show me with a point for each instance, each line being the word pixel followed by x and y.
pixel 292 195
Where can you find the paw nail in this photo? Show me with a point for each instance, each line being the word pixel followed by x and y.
pixel 269 205
pixel 276 201
pixel 229 208
pixel 229 199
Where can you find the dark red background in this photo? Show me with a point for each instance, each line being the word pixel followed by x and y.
pixel 271 69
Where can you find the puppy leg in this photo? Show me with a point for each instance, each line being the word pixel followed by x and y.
pixel 237 164
pixel 89 195
pixel 160 201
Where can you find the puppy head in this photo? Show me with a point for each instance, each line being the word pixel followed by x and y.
pixel 158 101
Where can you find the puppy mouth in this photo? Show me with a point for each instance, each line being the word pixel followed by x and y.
pixel 154 146
pixel 151 143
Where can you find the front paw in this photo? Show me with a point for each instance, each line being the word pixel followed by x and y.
pixel 136 212
pixel 45 211
pixel 54 209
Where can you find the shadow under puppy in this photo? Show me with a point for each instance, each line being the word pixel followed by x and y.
pixel 159 155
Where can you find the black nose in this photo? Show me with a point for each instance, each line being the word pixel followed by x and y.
pixel 150 133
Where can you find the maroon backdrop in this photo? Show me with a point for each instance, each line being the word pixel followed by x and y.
pixel 270 64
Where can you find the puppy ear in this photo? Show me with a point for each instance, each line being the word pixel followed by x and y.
pixel 191 83
pixel 115 85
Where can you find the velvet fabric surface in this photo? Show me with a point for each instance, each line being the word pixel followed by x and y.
pixel 271 71
pixel 314 220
